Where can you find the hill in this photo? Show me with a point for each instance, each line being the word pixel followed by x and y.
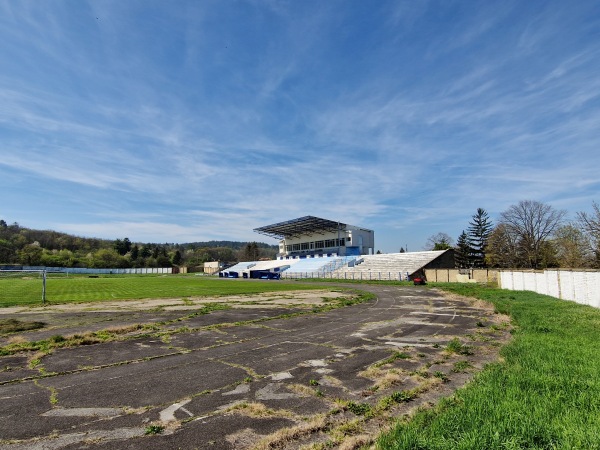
pixel 26 246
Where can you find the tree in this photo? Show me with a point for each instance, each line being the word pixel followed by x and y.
pixel 108 259
pixel 31 255
pixel 532 223
pixel 146 251
pixel 122 246
pixel 250 252
pixel 462 251
pixel 439 241
pixel 478 235
pixel 573 248
pixel 177 259
pixel 503 249
pixel 7 252
pixel 402 250
pixel 590 224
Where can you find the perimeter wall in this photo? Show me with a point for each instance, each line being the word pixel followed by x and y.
pixel 461 275
pixel 581 286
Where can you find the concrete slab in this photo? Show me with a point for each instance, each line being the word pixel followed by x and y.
pixel 186 377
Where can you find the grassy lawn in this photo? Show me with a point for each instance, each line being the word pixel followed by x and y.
pixel 61 289
pixel 543 394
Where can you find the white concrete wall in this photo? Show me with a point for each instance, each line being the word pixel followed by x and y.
pixel 581 286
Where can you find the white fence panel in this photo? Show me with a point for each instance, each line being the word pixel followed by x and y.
pixel 567 290
pixel 579 286
pixel 529 281
pixel 552 287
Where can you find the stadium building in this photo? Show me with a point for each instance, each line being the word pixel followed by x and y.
pixel 313 247
pixel 309 237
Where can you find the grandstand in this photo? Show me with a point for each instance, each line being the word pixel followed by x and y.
pixel 309 237
pixel 313 247
pixel 408 265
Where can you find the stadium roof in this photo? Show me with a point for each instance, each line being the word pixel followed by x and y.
pixel 298 227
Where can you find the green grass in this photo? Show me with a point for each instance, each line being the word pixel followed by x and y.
pixel 14 326
pixel 26 291
pixel 543 394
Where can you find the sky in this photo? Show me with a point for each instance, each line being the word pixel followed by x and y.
pixel 201 120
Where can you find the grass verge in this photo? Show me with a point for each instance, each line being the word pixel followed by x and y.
pixel 62 289
pixel 543 394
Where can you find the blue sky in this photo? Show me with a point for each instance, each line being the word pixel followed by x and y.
pixel 199 120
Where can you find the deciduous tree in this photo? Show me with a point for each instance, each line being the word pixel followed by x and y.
pixel 439 241
pixel 532 223
pixel 590 224
pixel 573 248
pixel 503 249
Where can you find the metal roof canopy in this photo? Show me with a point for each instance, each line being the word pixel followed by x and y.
pixel 297 227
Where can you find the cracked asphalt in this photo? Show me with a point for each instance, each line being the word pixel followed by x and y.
pixel 260 377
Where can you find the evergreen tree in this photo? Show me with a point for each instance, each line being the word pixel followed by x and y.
pixel 122 246
pixel 146 251
pixel 477 238
pixel 462 252
pixel 177 258
pixel 250 252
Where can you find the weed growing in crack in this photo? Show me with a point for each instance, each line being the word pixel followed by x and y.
pixel 359 409
pixel 154 429
pixel 396 355
pixel 455 346
pixel 461 366
pixel 441 375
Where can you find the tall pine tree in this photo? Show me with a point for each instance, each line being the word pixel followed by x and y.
pixel 462 251
pixel 478 235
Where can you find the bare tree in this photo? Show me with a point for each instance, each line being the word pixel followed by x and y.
pixel 439 241
pixel 532 223
pixel 590 224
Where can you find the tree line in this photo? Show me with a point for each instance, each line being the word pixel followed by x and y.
pixel 24 246
pixel 529 234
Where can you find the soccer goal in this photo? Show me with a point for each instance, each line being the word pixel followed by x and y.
pixel 22 287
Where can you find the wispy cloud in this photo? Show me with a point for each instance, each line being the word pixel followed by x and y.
pixel 210 119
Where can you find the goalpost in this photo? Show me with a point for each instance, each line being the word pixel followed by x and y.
pixel 19 286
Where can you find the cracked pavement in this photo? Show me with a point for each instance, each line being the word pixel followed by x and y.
pixel 257 377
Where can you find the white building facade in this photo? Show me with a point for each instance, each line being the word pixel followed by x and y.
pixel 309 237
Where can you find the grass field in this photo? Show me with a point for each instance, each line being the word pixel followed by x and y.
pixel 16 291
pixel 544 394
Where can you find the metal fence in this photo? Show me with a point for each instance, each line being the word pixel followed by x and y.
pixel 382 276
pixel 92 271
pixel 27 284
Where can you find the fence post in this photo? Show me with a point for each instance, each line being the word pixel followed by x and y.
pixel 43 287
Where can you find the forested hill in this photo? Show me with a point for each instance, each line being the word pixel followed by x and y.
pixel 26 246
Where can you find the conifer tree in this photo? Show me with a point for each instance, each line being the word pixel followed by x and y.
pixel 462 252
pixel 478 235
